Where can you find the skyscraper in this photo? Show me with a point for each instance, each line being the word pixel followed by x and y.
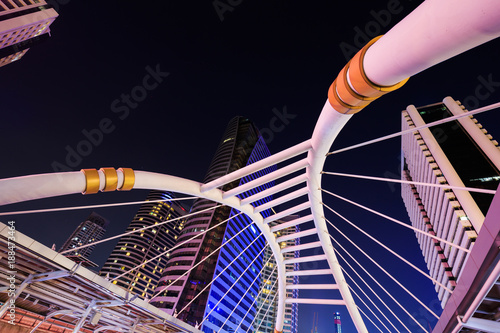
pixel 266 315
pixel 23 24
pixel 137 248
pixel 89 231
pixel 337 327
pixel 457 153
pixel 190 296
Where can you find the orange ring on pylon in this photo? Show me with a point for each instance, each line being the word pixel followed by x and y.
pixel 128 179
pixel 361 83
pixel 111 178
pixel 92 181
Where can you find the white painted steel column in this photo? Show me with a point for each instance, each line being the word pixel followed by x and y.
pixel 327 128
pixel 434 32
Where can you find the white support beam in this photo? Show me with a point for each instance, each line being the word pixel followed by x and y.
pixel 310 272
pixel 294 167
pixel 295 235
pixel 318 257
pixel 287 212
pixel 292 223
pixel 301 247
pixel 285 198
pixel 275 189
pixel 262 164
pixel 312 286
pixel 315 301
pixel 482 325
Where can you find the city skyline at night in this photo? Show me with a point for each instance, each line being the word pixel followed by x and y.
pixel 156 95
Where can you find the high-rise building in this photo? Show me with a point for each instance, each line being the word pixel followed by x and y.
pixel 23 24
pixel 89 231
pixel 266 315
pixel 456 153
pixel 227 303
pixel 337 326
pixel 146 246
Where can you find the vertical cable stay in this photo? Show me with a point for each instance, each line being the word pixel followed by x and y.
pixel 254 280
pixel 381 268
pixel 276 294
pixel 213 280
pixel 116 204
pixel 400 181
pixel 411 130
pixel 174 247
pixel 387 248
pixel 137 230
pixel 235 282
pixel 381 287
pixel 373 291
pixel 354 292
pixel 255 300
pixel 201 261
pixel 397 221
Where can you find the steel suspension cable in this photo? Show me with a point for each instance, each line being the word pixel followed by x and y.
pixel 396 221
pixel 394 180
pixel 201 261
pixel 382 269
pixel 255 300
pixel 370 288
pixel 354 292
pixel 173 248
pixel 237 304
pixel 411 130
pixel 368 297
pixel 117 204
pixel 386 248
pixel 265 314
pixel 140 229
pixel 234 283
pixel 381 287
pixel 209 284
pixel 367 317
pixel 276 294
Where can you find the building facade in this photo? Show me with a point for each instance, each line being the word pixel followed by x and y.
pixel 266 315
pixel 457 153
pixel 89 231
pixel 230 301
pixel 23 24
pixel 146 246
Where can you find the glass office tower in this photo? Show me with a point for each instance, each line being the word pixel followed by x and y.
pixel 241 145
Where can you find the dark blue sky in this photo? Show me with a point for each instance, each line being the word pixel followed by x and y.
pixel 249 58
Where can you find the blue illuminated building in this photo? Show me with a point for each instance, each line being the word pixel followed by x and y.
pixel 189 296
pixel 239 305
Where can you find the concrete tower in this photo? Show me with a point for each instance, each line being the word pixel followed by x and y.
pixel 457 153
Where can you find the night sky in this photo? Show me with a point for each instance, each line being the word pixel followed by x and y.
pixel 214 60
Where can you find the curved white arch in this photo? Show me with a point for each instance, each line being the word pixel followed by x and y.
pixel 50 185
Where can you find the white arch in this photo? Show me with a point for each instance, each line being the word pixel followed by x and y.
pixel 50 185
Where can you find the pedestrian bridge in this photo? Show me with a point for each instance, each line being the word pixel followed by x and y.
pixel 383 65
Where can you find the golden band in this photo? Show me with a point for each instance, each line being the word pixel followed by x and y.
pixel 128 179
pixel 352 90
pixel 276 331
pixel 92 181
pixel 111 178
